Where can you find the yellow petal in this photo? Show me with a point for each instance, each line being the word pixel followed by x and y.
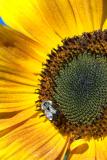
pixel 89 15
pixel 47 22
pixel 23 134
pixel 19 51
pixel 97 149
pixel 35 139
pixel 18 80
pixel 105 25
pixel 27 17
pixel 101 149
pixel 83 150
pixel 79 146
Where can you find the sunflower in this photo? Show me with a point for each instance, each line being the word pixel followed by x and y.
pixel 53 80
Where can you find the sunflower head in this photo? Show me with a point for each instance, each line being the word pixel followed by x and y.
pixel 74 85
pixel 71 84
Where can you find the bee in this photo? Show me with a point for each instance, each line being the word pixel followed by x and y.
pixel 50 112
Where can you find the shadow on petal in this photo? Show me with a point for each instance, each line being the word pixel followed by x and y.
pixel 79 147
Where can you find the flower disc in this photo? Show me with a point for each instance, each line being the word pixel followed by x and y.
pixel 74 85
pixel 81 89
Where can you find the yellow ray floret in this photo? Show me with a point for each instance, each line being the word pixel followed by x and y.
pixel 40 25
pixel 50 21
pixel 20 125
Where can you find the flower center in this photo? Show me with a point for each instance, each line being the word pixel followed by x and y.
pixel 73 85
pixel 81 89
